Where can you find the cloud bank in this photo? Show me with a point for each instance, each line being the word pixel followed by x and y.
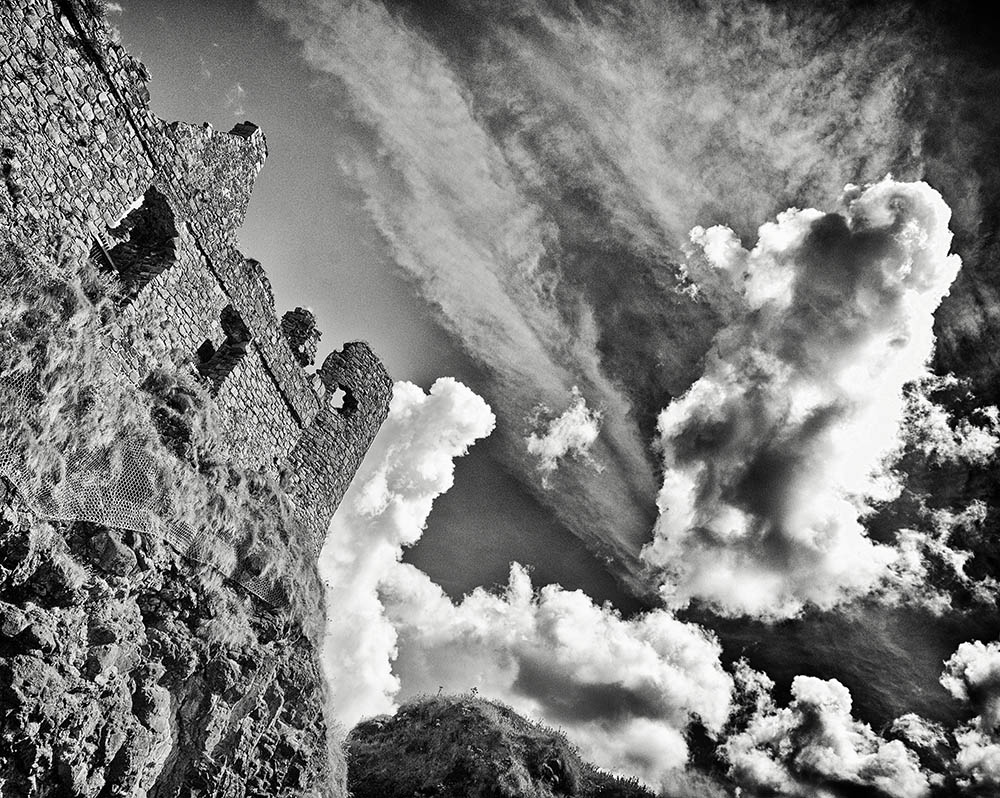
pixel 624 690
pixel 771 455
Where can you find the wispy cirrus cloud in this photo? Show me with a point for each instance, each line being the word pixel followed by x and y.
pixel 679 115
pixel 482 251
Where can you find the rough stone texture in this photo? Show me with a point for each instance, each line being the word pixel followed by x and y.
pixel 127 669
pixel 467 747
pixel 330 450
pixel 81 151
pixel 125 672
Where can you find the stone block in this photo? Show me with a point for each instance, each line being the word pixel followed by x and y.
pixel 111 554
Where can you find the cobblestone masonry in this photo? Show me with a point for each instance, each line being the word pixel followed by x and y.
pixel 81 149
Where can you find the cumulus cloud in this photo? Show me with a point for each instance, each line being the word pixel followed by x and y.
pixel 571 434
pixel 972 674
pixel 931 430
pixel 410 463
pixel 934 548
pixel 771 455
pixel 815 740
pixel 978 756
pixel 919 732
pixel 623 690
pixel 481 250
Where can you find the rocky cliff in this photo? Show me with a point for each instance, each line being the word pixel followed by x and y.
pixel 126 670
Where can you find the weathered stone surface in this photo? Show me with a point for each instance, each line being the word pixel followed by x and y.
pixel 128 665
pixel 111 554
pixel 13 620
pixel 169 682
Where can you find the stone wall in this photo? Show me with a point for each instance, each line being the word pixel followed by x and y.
pixel 128 665
pixel 329 452
pixel 82 152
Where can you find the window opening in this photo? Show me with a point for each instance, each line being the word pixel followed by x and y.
pixel 214 365
pixel 146 244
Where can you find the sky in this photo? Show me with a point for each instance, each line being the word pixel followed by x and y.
pixel 691 310
pixel 308 225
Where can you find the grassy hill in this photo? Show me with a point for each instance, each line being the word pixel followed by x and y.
pixel 467 747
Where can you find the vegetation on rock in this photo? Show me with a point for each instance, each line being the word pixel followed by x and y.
pixel 468 747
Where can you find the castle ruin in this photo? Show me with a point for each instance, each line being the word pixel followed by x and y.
pixel 151 209
pixel 158 205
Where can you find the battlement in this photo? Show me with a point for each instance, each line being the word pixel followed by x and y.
pixel 156 206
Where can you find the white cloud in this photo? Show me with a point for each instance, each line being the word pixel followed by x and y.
pixel 815 740
pixel 409 464
pixel 623 690
pixel 972 674
pixel 930 429
pixel 919 732
pixel 235 98
pixel 771 455
pixel 660 116
pixel 921 551
pixel 978 756
pixel 571 434
pixel 667 111
pixel 451 209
